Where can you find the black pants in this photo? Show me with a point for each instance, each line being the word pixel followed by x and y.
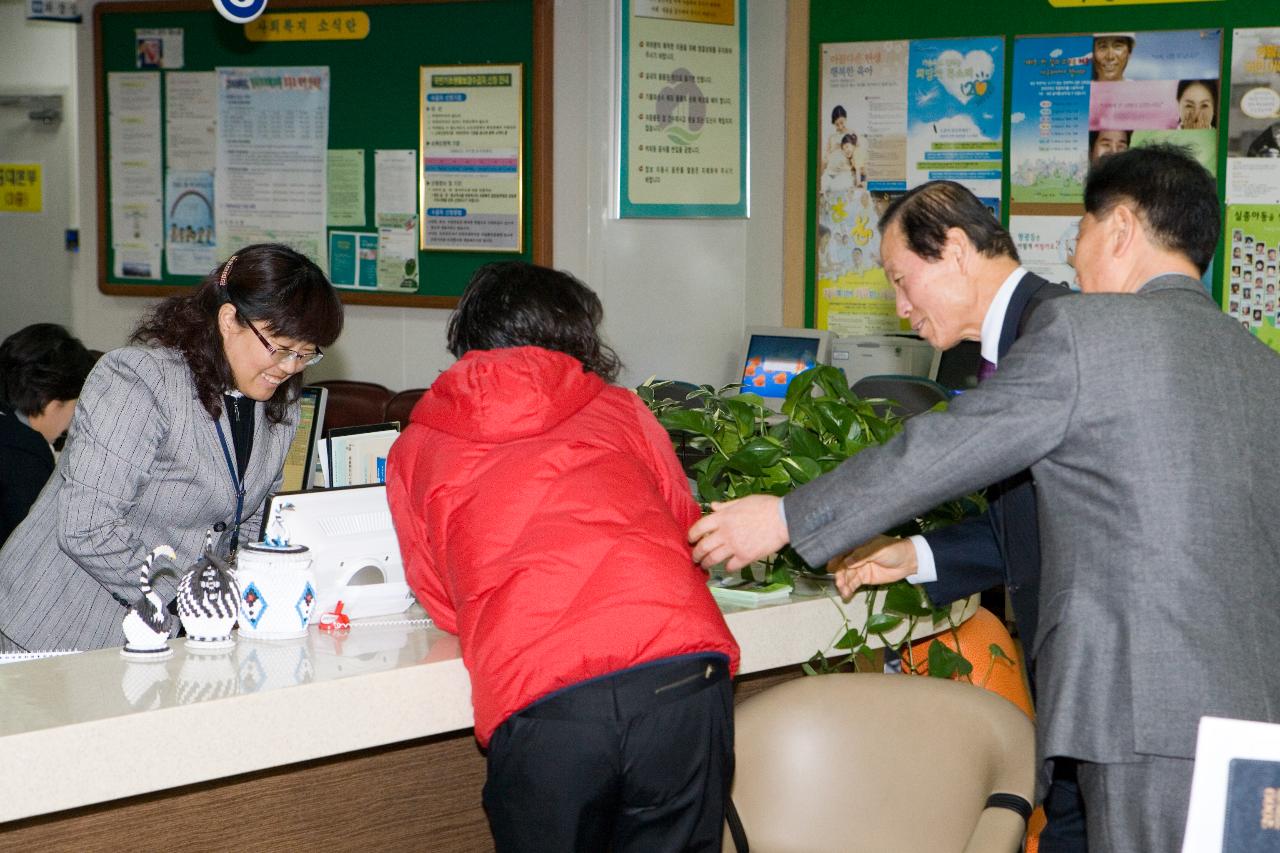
pixel 1064 829
pixel 638 761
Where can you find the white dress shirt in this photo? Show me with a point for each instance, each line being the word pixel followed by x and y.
pixel 992 325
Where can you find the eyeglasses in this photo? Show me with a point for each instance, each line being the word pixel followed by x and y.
pixel 281 355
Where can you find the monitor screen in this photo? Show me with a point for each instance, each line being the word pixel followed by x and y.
pixel 299 462
pixel 355 555
pixel 958 367
pixel 774 356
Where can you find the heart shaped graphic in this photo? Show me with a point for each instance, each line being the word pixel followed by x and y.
pixel 964 75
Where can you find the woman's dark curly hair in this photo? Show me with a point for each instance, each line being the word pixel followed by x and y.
pixel 516 304
pixel 40 364
pixel 280 290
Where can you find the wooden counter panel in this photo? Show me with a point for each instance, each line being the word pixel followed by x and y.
pixel 420 795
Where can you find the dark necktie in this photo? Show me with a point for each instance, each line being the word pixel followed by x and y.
pixel 985 370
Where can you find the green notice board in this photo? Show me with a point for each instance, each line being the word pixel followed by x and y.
pixel 373 105
pixel 842 21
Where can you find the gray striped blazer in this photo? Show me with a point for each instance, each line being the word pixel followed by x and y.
pixel 142 467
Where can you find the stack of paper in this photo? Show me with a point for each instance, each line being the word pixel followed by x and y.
pixel 359 459
pixel 744 593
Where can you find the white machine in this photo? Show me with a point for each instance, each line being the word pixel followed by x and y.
pixel 354 550
pixel 878 355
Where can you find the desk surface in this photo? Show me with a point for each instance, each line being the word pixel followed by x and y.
pixel 93 727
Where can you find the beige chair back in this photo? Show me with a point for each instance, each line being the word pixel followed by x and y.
pixel 872 762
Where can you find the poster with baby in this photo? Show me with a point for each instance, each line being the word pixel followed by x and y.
pixel 893 115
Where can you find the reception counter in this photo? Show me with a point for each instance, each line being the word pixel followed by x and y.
pixel 380 715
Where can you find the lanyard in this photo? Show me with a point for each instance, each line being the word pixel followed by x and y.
pixel 235 481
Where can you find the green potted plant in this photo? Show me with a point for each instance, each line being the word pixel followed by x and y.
pixel 750 449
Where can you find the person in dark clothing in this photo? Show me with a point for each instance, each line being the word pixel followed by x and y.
pixel 42 369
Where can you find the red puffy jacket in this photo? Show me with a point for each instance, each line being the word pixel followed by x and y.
pixel 542 517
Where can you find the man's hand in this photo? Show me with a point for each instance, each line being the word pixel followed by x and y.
pixel 883 559
pixel 738 533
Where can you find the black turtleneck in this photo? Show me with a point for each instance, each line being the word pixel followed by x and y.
pixel 240 412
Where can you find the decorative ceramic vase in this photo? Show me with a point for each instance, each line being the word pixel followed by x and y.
pixel 147 624
pixel 277 591
pixel 208 603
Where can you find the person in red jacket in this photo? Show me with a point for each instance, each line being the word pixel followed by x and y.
pixel 541 514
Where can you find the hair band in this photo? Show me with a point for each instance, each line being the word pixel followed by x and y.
pixel 226 270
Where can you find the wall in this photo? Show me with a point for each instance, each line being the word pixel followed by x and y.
pixel 677 294
pixel 37 57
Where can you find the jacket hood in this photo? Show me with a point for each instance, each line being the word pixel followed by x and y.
pixel 506 394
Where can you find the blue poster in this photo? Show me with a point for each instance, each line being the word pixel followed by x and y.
pixel 955 112
pixel 1049 122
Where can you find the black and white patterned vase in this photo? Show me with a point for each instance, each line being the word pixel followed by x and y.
pixel 209 603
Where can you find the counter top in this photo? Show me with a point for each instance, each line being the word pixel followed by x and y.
pixel 93 727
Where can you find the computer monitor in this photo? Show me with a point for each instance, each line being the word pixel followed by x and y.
pixel 355 555
pixel 772 356
pixel 300 461
pixel 883 355
pixel 958 367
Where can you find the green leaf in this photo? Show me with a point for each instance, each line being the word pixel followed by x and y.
pixel 944 662
pixel 806 443
pixel 743 414
pixel 997 653
pixel 851 640
pixel 687 420
pixel 881 622
pixel 808 668
pixel 802 469
pixel 755 456
pixel 905 599
pixel 800 388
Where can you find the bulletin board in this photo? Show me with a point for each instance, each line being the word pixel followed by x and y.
pixel 374 105
pixel 832 21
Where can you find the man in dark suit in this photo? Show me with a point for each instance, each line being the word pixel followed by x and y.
pixel 1147 417
pixel 989 298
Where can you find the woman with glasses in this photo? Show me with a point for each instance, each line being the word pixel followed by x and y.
pixel 183 431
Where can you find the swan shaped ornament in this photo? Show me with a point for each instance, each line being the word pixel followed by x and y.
pixel 147 624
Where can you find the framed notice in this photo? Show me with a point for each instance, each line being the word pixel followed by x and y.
pixel 472 158
pixel 683 134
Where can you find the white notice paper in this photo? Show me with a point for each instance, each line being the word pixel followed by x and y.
pixel 191 120
pixel 273 131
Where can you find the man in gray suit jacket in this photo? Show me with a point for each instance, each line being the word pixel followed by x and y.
pixel 1148 419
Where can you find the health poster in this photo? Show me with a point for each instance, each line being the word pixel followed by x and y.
pixel 1249 289
pixel 862 166
pixel 1253 117
pixel 955 113
pixel 892 115
pixel 1079 97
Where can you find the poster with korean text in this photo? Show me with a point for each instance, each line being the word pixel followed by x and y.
pixel 1079 97
pixel 683 129
pixel 1252 269
pixel 893 115
pixel 1253 118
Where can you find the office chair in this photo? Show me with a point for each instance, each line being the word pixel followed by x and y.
pixel 874 762
pixel 353 403
pixel 678 391
pixel 903 396
pixel 400 406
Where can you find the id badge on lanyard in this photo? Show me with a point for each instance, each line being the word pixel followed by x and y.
pixel 239 487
